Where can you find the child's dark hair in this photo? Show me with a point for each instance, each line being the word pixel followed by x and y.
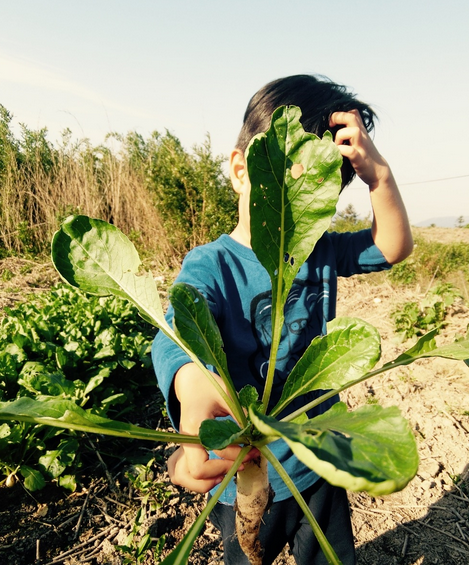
pixel 317 97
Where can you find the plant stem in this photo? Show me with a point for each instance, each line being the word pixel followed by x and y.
pixel 278 304
pixel 269 381
pixel 135 433
pixel 331 393
pixel 181 554
pixel 326 547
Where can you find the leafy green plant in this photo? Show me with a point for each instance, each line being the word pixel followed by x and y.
pixel 404 273
pixel 295 182
pixel 437 260
pixel 412 319
pixel 90 350
pixel 152 496
pixel 136 546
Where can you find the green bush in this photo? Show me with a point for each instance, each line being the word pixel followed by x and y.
pixel 191 191
pixel 167 198
pixel 436 259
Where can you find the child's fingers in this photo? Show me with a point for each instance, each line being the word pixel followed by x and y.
pixel 346 136
pixel 347 119
pixel 231 452
pixel 194 471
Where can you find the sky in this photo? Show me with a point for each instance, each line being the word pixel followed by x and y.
pixel 190 67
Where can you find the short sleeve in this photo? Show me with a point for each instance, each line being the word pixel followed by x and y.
pixel 356 253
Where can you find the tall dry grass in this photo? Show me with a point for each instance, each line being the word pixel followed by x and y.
pixel 164 198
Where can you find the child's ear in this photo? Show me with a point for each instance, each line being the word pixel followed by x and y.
pixel 238 171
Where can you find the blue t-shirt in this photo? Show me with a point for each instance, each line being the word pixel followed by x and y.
pixel 239 293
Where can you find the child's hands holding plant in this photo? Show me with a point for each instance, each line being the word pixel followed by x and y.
pixel 190 466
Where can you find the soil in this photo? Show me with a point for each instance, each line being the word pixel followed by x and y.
pixel 426 523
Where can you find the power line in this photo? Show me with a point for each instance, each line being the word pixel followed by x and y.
pixel 432 180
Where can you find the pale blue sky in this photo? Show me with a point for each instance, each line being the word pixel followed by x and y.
pixel 190 66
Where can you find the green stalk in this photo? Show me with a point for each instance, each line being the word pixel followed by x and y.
pixel 269 381
pixel 331 393
pixel 135 433
pixel 277 308
pixel 326 547
pixel 180 555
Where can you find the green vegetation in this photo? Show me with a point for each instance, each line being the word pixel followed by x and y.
pixel 70 362
pixel 348 220
pixel 371 448
pixel 89 350
pixel 432 260
pixel 152 497
pixel 164 197
pixel 413 319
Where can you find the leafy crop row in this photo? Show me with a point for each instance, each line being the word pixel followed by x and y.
pixel 89 350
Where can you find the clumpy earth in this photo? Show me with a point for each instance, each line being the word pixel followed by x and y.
pixel 426 523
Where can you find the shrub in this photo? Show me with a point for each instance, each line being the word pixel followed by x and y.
pixel 348 220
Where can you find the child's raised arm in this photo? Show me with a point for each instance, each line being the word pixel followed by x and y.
pixel 391 229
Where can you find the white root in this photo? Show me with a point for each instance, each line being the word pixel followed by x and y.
pixel 253 498
pixel 10 480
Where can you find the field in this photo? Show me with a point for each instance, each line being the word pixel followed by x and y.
pixel 428 522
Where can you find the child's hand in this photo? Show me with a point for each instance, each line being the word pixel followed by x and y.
pixel 190 466
pixel 355 144
pixel 390 229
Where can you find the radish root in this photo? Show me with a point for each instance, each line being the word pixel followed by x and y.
pixel 254 496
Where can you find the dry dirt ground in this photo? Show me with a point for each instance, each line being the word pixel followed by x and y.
pixel 426 523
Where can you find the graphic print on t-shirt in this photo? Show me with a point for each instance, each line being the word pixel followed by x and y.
pixel 303 322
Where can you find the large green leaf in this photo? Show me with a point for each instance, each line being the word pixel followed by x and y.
pixel 350 349
pixel 196 327
pixel 98 259
pixel 426 347
pixel 371 449
pixel 66 414
pixel 33 479
pixel 295 183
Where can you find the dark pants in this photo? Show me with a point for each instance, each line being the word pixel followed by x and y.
pixel 285 524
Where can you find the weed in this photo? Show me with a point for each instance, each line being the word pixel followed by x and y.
pixel 412 319
pixel 136 546
pixel 404 273
pixel 7 275
pixel 371 399
pixel 139 542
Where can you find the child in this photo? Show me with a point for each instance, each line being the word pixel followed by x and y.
pixel 238 291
